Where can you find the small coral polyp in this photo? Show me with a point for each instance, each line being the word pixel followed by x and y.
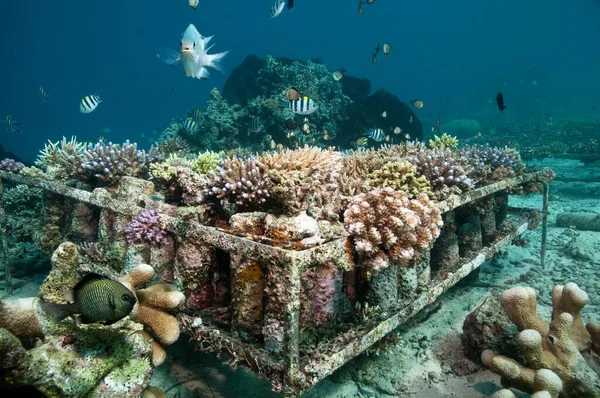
pixel 386 226
pixel 146 228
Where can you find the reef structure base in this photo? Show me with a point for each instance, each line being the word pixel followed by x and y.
pixel 275 349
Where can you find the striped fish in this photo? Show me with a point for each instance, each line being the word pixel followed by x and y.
pixel 11 125
pixel 191 126
pixel 256 125
pixel 195 114
pixel 276 9
pixel 302 106
pixel 89 103
pixel 44 95
pixel 376 134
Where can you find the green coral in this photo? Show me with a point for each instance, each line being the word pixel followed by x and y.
pixel 163 171
pixel 446 141
pixel 179 161
pixel 206 162
pixel 400 176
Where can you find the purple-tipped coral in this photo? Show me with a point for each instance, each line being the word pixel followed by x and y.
pixel 109 162
pixel 443 170
pixel 146 228
pixel 240 181
pixel 11 165
pixel 491 164
pixel 386 226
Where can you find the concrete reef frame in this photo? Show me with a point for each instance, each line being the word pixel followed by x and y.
pixel 294 370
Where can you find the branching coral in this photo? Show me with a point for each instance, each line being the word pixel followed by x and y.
pixel 484 162
pixel 146 228
pixel 109 162
pixel 61 160
pixel 384 226
pixel 445 141
pixel 206 162
pixel 11 165
pixel 443 170
pixel 400 176
pixel 238 180
pixel 303 179
pixel 555 347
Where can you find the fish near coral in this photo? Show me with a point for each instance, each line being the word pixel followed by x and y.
pixel 96 299
pixel 194 54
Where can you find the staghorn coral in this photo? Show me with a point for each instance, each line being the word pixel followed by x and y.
pixel 445 141
pixel 61 160
pixel 146 228
pixel 443 170
pixel 400 176
pixel 169 144
pixel 109 162
pixel 385 226
pixel 93 251
pixel 238 180
pixel 555 347
pixel 11 165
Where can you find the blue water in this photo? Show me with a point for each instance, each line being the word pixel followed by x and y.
pixel 454 55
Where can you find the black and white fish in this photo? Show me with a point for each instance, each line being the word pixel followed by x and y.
pixel 44 95
pixel 302 106
pixel 376 134
pixel 11 125
pixel 256 126
pixel 194 54
pixel 89 103
pixel 276 9
pixel 196 115
pixel 191 126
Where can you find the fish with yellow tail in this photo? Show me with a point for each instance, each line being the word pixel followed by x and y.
pixel 95 299
pixel 194 55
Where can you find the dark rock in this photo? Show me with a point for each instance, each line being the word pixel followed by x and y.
pixel 366 114
pixel 241 85
pixel 488 327
pixel 355 88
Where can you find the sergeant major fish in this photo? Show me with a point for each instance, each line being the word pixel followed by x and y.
pixel 89 103
pixel 11 125
pixel 96 299
pixel 376 134
pixel 194 54
pixel 44 95
pixel 276 9
pixel 302 106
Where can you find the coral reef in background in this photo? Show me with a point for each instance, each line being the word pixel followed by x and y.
pixel 562 349
pixel 385 226
pixel 146 228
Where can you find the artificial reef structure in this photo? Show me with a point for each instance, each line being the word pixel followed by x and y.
pixel 291 262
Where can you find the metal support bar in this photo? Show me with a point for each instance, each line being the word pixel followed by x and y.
pixel 544 223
